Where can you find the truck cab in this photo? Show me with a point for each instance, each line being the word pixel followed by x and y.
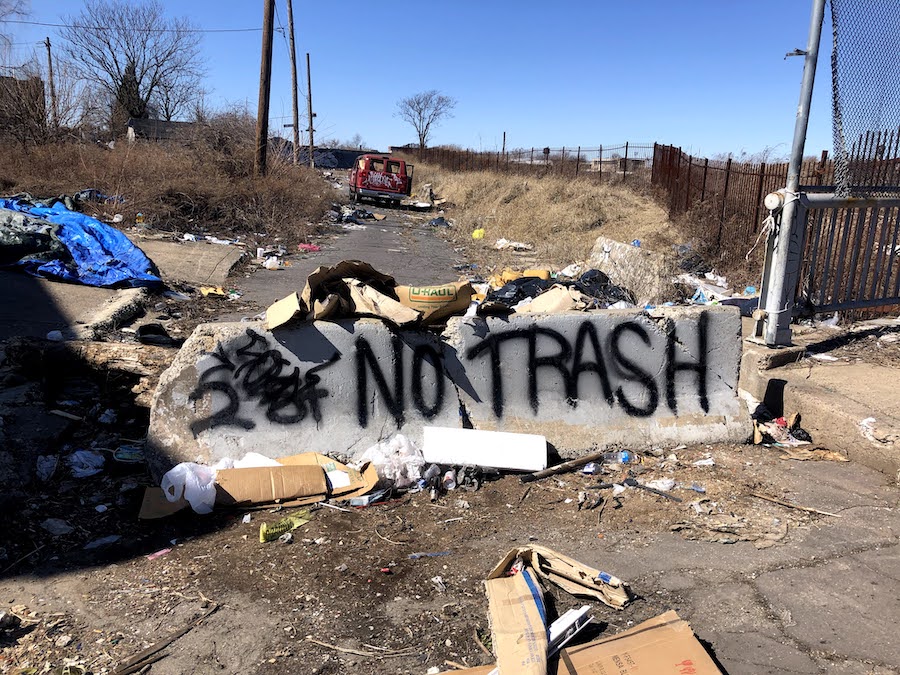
pixel 380 177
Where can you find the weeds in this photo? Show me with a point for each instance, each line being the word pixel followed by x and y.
pixel 561 216
pixel 201 184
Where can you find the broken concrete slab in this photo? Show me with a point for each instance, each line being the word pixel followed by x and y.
pixel 645 273
pixel 200 264
pixel 579 379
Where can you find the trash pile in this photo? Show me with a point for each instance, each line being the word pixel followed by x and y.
pixel 52 240
pixel 523 635
pixel 350 218
pixel 353 288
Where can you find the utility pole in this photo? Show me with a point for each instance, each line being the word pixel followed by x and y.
pixel 309 112
pixel 265 85
pixel 54 113
pixel 290 13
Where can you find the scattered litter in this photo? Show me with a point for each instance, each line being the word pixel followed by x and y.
pixel 816 454
pixel 246 519
pixel 706 461
pixel 57 527
pixel 101 508
pixel 285 538
pixel 397 461
pixel 664 484
pixel 439 554
pixel 505 244
pixel 108 416
pixel 369 499
pixel 478 233
pixel 46 466
pixel 439 584
pixel 159 554
pixel 781 502
pixel 440 221
pixel 284 526
pixel 129 454
pixel 102 541
pixel 308 248
pixel 84 463
pixel 55 336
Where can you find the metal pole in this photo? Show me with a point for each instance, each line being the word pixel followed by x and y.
pixel 784 269
pixel 625 163
pixel 294 104
pixel 265 85
pixel 310 113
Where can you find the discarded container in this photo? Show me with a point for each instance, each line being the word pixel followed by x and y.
pixel 448 482
pixel 622 457
pixel 84 463
pixel 283 526
pixel 497 449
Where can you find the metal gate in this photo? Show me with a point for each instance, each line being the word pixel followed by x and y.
pixel 838 249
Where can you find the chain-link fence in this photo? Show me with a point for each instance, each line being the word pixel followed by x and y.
pixel 865 65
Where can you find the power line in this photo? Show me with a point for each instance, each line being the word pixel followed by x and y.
pixel 142 30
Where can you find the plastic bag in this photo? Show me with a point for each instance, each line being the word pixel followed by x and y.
pixel 195 482
pixel 397 460
pixel 84 463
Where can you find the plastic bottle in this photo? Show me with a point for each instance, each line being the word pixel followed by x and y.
pixel 621 457
pixel 139 219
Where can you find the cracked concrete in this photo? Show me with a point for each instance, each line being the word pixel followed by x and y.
pixel 826 600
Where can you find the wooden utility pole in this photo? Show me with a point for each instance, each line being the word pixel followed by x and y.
pixel 309 112
pixel 54 113
pixel 296 119
pixel 265 86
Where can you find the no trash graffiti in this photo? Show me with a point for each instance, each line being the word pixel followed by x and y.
pixel 623 368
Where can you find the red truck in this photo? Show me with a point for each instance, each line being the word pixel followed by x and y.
pixel 380 177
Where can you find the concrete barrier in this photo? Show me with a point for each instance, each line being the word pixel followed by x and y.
pixel 580 379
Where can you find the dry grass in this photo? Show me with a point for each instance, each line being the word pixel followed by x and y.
pixel 204 185
pixel 560 216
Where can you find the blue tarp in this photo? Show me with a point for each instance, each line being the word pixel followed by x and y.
pixel 100 254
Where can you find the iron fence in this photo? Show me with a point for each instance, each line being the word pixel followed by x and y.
pixel 623 162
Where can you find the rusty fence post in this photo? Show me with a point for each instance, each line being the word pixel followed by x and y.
pixel 687 189
pixel 759 194
pixel 703 187
pixel 724 203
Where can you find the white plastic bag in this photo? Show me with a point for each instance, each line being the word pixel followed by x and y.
pixel 195 482
pixel 397 460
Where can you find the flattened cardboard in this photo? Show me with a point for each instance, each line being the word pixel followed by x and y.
pixel 283 311
pixel 437 302
pixel 300 481
pixel 322 281
pixel 268 484
pixel 366 300
pixel 664 645
pixel 570 575
pixel 518 624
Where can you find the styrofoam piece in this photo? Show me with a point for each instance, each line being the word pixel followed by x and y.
pixel 496 449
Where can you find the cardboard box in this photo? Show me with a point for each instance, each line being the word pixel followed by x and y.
pixel 665 645
pixel 303 479
pixel 570 575
pixel 518 624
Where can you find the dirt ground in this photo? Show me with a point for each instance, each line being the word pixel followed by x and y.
pixel 347 595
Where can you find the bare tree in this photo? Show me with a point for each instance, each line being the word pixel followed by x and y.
pixel 11 9
pixel 424 111
pixel 134 52
pixel 177 96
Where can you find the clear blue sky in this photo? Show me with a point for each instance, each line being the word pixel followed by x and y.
pixel 709 75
